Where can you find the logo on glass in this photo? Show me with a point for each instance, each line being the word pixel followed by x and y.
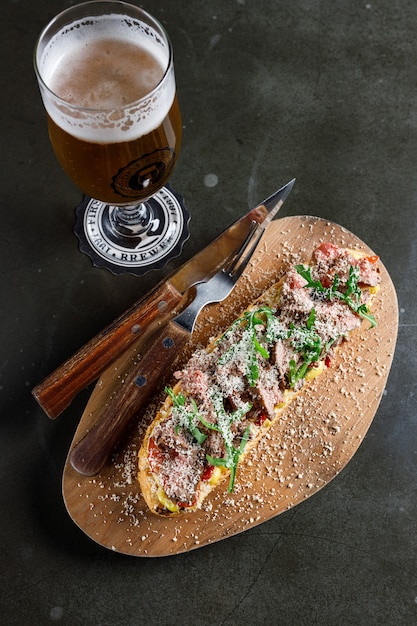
pixel 143 174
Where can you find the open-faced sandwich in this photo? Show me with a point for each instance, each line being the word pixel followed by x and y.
pixel 227 396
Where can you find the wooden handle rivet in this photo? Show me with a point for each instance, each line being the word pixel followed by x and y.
pixel 162 306
pixel 168 342
pixel 141 381
pixel 135 329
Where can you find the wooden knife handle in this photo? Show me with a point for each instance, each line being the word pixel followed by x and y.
pixel 90 454
pixel 58 389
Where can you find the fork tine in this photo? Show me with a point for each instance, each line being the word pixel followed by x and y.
pixel 218 287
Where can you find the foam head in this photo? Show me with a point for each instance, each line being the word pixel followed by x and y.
pixel 106 78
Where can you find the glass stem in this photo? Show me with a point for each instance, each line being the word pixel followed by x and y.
pixel 131 221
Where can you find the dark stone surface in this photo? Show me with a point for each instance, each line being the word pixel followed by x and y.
pixel 325 92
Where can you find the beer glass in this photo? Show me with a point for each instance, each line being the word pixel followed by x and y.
pixel 106 76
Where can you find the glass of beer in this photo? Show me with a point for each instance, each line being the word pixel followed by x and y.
pixel 106 75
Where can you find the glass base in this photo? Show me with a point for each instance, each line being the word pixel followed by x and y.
pixel 133 252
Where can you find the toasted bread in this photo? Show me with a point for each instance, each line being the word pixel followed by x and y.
pixel 296 326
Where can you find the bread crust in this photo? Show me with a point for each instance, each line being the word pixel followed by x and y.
pixel 152 491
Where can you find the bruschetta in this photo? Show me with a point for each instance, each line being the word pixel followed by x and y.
pixel 229 394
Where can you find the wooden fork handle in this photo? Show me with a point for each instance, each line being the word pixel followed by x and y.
pixel 89 455
pixel 56 391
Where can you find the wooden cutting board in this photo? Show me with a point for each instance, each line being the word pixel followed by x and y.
pixel 304 450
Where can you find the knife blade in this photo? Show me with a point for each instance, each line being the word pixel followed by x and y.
pixel 56 392
pixel 89 454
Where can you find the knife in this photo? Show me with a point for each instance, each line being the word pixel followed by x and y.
pixel 56 392
pixel 90 454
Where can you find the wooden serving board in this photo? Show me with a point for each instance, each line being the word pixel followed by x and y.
pixel 305 449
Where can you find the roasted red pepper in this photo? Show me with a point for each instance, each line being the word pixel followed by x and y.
pixel 260 419
pixel 156 457
pixel 207 472
pixel 188 505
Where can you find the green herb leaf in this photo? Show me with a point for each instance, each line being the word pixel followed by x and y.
pixel 208 425
pixel 187 419
pixel 198 435
pixel 216 461
pixel 351 296
pixel 311 319
pixel 232 459
pixel 178 400
pixel 250 344
pixel 363 311
pixel 262 351
pixel 307 342
pixel 224 423
pixel 305 272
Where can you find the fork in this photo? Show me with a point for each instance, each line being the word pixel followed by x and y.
pixel 90 454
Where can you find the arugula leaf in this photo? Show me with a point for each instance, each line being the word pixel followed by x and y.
pixel 198 435
pixel 352 295
pixel 223 426
pixel 186 418
pixel 363 311
pixel 311 319
pixel 258 348
pixel 305 272
pixel 249 344
pixel 216 461
pixel 232 458
pixel 178 400
pixel 209 425
pixel 295 374
pixel 306 341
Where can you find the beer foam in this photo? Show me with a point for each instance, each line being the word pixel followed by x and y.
pixel 114 107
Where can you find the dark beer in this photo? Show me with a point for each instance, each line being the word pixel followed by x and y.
pixel 113 115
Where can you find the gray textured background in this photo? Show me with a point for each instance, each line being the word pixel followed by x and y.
pixel 325 92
